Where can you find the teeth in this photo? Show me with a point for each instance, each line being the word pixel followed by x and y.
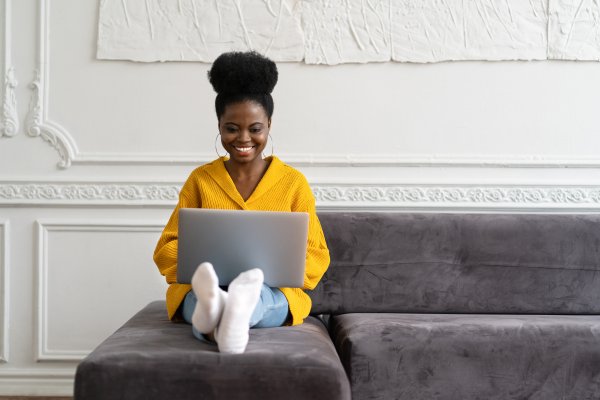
pixel 243 149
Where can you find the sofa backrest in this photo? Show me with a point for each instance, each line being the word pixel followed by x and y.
pixel 460 263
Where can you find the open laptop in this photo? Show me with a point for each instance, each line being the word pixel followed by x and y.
pixel 235 241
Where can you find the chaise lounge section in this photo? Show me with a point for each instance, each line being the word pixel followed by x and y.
pixel 151 358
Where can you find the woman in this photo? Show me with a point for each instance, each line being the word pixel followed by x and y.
pixel 243 181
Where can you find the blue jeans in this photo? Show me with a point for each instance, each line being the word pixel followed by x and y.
pixel 271 310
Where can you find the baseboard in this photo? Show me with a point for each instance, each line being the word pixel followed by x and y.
pixel 34 398
pixel 22 382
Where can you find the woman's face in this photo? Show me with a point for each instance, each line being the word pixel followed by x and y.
pixel 244 129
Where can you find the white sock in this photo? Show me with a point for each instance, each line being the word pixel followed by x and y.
pixel 211 298
pixel 243 294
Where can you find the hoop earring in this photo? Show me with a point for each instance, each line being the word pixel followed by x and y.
pixel 217 151
pixel 271 140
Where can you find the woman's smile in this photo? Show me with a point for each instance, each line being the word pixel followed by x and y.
pixel 243 150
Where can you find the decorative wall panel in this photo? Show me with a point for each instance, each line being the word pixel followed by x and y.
pixel 342 31
pixel 198 30
pixel 9 120
pixel 367 31
pixel 79 264
pixel 4 310
pixel 37 123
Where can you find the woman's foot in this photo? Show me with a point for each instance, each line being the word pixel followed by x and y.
pixel 243 294
pixel 210 298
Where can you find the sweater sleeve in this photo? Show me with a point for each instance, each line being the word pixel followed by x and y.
pixel 165 253
pixel 317 253
pixel 317 257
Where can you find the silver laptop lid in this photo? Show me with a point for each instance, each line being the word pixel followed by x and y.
pixel 234 241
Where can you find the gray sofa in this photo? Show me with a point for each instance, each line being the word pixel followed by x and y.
pixel 413 306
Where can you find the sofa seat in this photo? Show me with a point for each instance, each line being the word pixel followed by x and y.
pixel 462 356
pixel 152 358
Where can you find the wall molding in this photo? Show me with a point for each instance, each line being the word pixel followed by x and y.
pixel 448 197
pixel 4 295
pixel 38 124
pixel 96 193
pixel 9 120
pixel 44 228
pixel 37 382
pixel 350 160
pixel 328 195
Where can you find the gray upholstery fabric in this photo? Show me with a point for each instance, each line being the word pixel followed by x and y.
pixel 469 357
pixel 460 263
pixel 153 358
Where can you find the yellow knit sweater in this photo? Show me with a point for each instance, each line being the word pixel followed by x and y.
pixel 282 188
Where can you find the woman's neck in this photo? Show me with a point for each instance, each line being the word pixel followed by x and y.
pixel 245 171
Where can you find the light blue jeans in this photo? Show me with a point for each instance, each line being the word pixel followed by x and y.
pixel 271 310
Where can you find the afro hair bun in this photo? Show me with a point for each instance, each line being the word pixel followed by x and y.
pixel 243 73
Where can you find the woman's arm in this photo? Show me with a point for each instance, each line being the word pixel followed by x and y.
pixel 165 253
pixel 317 253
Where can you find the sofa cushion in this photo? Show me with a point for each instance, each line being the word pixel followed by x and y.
pixel 152 358
pixel 460 263
pixel 463 357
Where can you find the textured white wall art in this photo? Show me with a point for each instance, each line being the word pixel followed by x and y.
pixel 342 31
pixel 339 31
pixel 574 30
pixel 4 311
pixel 198 30
pixel 9 120
pixel 441 30
pixel 103 257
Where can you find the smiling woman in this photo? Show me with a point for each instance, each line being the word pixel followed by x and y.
pixel 244 106
pixel 243 180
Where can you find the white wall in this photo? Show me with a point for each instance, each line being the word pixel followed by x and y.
pixel 76 241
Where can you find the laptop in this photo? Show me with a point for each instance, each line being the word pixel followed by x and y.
pixel 234 241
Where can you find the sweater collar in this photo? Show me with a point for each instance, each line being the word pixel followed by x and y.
pixel 217 171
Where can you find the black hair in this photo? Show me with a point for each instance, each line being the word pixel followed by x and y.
pixel 243 76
